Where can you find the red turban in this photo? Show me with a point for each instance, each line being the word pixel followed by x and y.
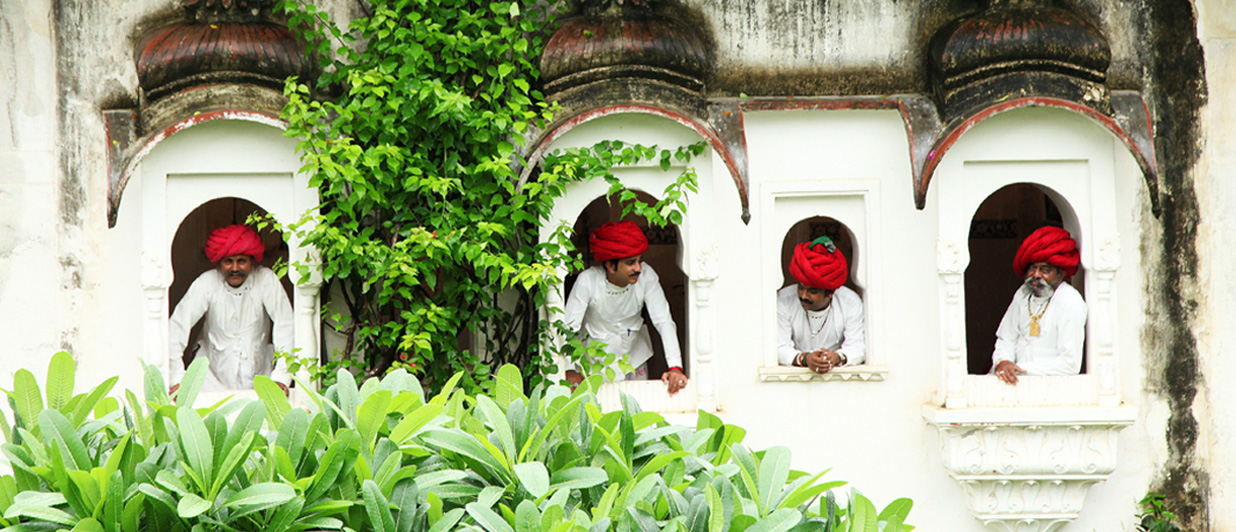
pixel 617 241
pixel 1052 245
pixel 819 264
pixel 234 240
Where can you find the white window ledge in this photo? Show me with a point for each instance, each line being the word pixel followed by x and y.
pixel 859 373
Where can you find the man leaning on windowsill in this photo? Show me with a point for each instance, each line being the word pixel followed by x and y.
pixel 819 320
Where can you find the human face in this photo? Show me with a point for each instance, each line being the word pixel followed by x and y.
pixel 1043 278
pixel 236 269
pixel 814 299
pixel 623 272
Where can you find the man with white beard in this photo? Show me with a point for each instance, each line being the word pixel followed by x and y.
pixel 1043 331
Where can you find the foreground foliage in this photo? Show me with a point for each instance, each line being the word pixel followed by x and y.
pixel 427 231
pixel 384 457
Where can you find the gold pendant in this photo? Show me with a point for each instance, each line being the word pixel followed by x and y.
pixel 1034 327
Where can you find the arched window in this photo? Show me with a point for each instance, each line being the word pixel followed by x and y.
pixel 663 256
pixel 997 230
pixel 189 261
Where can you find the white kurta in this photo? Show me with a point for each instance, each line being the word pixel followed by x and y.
pixel 839 327
pixel 236 336
pixel 611 315
pixel 1057 350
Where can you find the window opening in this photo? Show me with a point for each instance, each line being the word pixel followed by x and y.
pixel 997 229
pixel 811 229
pixel 189 260
pixel 662 255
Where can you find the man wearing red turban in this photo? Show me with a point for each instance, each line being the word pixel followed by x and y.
pixel 607 299
pixel 819 320
pixel 240 301
pixel 1043 331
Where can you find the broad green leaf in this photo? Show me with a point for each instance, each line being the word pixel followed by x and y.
pixel 716 512
pixel 236 456
pixel 899 508
pixel 32 499
pixel 27 399
pixel 192 381
pixel 271 394
pixel 44 513
pixel 863 517
pixel 404 498
pixel 413 422
pixel 508 385
pixel 260 496
pixel 62 438
pixel 60 377
pixel 293 433
pixel 462 443
pixel 445 394
pixel 578 478
pixel 533 477
pixel 84 407
pixel 377 508
pixel 88 524
pixel 196 445
pixel 501 427
pixel 448 521
pixel 488 519
pixel 779 521
pixel 774 469
pixel 155 386
pixel 191 506
pixel 285 516
pixel 371 416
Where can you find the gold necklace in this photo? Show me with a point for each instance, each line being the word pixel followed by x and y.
pixel 1034 318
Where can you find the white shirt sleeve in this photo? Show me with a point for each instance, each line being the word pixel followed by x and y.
pixel 283 333
pixel 577 305
pixel 659 311
pixel 854 343
pixel 188 312
pixel 786 351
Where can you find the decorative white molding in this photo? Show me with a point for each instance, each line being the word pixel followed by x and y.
pixel 702 370
pixel 950 267
pixel 1028 469
pixel 860 373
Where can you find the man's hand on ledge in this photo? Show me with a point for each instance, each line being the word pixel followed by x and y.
pixel 675 380
pixel 574 378
pixel 822 360
pixel 1008 371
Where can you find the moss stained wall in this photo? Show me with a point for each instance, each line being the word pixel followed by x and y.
pixel 1175 79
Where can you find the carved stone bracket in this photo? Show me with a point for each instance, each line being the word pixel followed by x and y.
pixel 1028 469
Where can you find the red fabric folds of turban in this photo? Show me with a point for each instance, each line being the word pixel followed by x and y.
pixel 815 266
pixel 1052 245
pixel 617 240
pixel 234 240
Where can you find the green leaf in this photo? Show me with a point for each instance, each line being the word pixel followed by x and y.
pixel 62 438
pixel 260 497
pixel 414 421
pixel 84 407
pixel 578 478
pixel 533 477
pixel 371 416
pixel 899 508
pixel 196 446
pixel 716 512
pixel 488 519
pixel 88 524
pixel 864 517
pixel 377 508
pixel 509 385
pixel 60 375
pixel 774 469
pixel 192 382
pixel 191 506
pixel 28 399
pixel 272 396
pixel 779 521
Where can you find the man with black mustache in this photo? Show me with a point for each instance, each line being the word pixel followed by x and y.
pixel 1043 331
pixel 240 300
pixel 607 300
pixel 819 320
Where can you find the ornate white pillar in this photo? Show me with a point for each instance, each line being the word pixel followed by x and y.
pixel 705 272
pixel 306 312
pixel 156 278
pixel 950 269
pixel 1102 310
pixel 1028 469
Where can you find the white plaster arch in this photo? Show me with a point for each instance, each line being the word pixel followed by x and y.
pixel 1053 432
pixel 696 247
pixel 217 159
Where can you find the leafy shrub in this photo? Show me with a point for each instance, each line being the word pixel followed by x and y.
pixel 380 457
pixel 1155 516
